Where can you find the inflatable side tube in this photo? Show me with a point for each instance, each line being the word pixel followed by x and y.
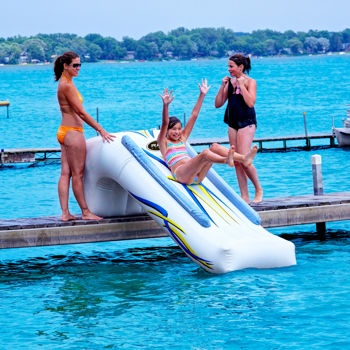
pixel 228 192
pixel 147 164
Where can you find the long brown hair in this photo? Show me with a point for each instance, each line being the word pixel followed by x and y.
pixel 67 58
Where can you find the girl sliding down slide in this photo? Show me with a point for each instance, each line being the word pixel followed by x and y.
pixel 172 143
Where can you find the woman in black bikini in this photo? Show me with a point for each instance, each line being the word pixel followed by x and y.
pixel 240 91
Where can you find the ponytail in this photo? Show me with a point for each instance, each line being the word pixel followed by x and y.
pixel 241 59
pixel 67 58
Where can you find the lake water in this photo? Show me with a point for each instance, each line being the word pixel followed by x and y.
pixel 147 294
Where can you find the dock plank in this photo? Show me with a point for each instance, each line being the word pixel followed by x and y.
pixel 274 212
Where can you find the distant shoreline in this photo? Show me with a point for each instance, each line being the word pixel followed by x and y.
pixel 340 53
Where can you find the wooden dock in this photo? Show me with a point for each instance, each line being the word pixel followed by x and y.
pixel 274 212
pixel 39 155
pixel 303 142
pixel 29 155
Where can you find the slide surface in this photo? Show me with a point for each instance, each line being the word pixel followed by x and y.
pixel 208 221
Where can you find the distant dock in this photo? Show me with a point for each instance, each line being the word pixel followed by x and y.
pixel 280 143
pixel 5 104
pixel 301 142
pixel 274 212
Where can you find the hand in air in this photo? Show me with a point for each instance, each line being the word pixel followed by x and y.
pixel 106 136
pixel 167 98
pixel 204 88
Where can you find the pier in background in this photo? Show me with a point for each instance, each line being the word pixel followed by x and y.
pixel 277 144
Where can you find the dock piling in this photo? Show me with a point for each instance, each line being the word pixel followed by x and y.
pixel 5 104
pixel 308 143
pixel 316 162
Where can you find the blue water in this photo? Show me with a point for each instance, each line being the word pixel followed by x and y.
pixel 147 294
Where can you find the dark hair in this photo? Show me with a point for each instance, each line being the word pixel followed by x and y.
pixel 67 58
pixel 173 121
pixel 241 59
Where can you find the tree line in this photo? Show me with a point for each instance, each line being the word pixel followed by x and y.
pixel 180 43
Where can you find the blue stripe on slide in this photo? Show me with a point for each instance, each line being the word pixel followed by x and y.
pixel 147 164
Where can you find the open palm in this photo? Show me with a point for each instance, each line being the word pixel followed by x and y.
pixel 204 88
pixel 167 98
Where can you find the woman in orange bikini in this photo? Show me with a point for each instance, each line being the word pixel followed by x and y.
pixel 172 144
pixel 70 135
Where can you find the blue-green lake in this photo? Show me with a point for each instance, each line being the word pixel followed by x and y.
pixel 148 294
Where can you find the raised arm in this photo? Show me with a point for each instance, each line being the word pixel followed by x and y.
pixel 248 90
pixel 70 94
pixel 203 88
pixel 222 94
pixel 167 99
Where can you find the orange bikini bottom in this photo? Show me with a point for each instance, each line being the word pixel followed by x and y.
pixel 62 131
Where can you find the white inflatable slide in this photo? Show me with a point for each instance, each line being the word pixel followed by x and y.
pixel 208 221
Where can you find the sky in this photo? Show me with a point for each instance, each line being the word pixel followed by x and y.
pixel 136 18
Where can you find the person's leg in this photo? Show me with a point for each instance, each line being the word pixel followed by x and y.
pixel 200 165
pixel 74 142
pixel 63 186
pixel 245 138
pixel 240 173
pixel 186 171
pixel 246 159
pixel 224 152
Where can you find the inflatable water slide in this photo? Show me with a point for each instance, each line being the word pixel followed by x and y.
pixel 211 224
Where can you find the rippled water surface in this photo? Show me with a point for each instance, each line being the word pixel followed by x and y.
pixel 147 294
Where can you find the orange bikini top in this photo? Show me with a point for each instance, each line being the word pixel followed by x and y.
pixel 78 93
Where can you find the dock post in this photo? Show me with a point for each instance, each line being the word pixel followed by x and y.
pixel 308 144
pixel 316 162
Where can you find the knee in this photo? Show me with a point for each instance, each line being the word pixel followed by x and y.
pixel 65 172
pixel 77 175
pixel 214 147
pixel 204 153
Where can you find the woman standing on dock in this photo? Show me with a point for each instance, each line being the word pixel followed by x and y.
pixel 240 91
pixel 70 135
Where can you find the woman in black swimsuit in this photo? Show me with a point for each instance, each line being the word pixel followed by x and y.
pixel 240 92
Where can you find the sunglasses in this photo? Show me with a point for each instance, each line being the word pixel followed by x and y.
pixel 76 65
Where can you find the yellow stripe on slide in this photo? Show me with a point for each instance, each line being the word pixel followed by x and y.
pixel 166 219
pixel 189 248
pixel 215 201
pixel 205 201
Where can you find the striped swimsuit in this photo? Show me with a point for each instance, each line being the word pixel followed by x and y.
pixel 176 152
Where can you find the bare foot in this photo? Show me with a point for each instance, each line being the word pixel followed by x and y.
pixel 87 215
pixel 258 196
pixel 68 217
pixel 248 159
pixel 230 157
